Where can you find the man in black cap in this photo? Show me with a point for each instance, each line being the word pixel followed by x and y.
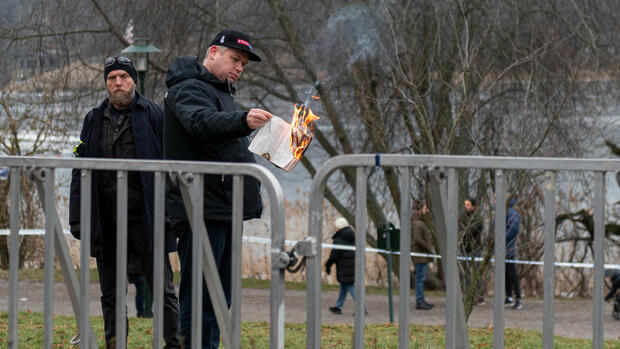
pixel 126 125
pixel 202 122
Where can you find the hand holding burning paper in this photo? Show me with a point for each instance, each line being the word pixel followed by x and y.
pixel 283 144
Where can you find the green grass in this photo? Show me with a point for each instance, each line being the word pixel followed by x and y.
pixel 256 335
pixel 37 275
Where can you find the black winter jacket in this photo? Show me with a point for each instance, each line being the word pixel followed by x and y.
pixel 203 123
pixel 344 259
pixel 146 122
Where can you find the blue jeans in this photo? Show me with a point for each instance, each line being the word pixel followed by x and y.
pixel 420 277
pixel 220 235
pixel 344 288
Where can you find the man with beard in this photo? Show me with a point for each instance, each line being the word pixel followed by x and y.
pixel 203 122
pixel 128 126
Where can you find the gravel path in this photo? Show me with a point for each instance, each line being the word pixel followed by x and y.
pixel 573 318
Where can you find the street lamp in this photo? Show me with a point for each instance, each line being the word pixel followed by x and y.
pixel 141 48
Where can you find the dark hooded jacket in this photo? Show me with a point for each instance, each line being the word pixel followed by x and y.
pixel 512 229
pixel 146 123
pixel 614 275
pixel 344 259
pixel 202 122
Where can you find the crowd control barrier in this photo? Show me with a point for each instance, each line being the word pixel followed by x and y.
pixel 442 174
pixel 189 177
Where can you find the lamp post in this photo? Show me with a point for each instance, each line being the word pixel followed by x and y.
pixel 141 48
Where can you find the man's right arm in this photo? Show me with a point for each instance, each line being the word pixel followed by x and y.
pixel 197 111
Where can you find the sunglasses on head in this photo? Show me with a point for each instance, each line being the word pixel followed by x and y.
pixel 120 59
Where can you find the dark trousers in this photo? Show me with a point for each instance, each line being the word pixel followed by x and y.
pixel 512 281
pixel 106 266
pixel 220 236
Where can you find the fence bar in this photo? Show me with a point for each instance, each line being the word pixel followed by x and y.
pixel 50 210
pixel 549 252
pixel 196 187
pixel 85 237
pixel 599 258
pixel 237 258
pixel 360 256
pixel 276 312
pixel 159 254
pixel 439 199
pixel 500 259
pixel 121 259
pixel 451 275
pixel 405 259
pixel 315 226
pixel 15 188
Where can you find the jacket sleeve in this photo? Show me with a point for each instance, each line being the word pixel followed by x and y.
pixel 74 191
pixel 614 287
pixel 334 256
pixel 197 111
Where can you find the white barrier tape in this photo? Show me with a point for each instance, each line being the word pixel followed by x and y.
pixel 267 241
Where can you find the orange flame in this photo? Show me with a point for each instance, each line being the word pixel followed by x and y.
pixel 302 130
pixel 316 97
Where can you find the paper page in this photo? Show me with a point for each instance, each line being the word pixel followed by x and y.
pixel 270 142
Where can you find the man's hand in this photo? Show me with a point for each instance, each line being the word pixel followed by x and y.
pixel 328 269
pixel 257 118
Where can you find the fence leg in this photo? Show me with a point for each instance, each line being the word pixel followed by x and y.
pixel 439 203
pixel 192 192
pixel 65 262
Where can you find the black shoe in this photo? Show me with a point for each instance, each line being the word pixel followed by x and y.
pixel 517 305
pixel 423 305
pixel 509 302
pixel 335 310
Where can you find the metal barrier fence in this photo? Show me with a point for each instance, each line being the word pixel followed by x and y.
pixel 444 194
pixel 189 177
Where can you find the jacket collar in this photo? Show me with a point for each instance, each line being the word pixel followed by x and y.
pixel 210 78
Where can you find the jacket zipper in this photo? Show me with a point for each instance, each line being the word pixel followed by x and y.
pixel 231 95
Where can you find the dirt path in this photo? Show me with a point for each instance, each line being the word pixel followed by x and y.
pixel 572 318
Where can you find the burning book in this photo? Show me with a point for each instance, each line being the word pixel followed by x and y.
pixel 284 144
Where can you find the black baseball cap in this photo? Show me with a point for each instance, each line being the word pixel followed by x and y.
pixel 235 39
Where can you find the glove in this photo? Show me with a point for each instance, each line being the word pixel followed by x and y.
pixel 75 230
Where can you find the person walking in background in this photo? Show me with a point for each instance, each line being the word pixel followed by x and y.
pixel 345 262
pixel 512 278
pixel 613 275
pixel 470 227
pixel 129 126
pixel 421 242
pixel 203 122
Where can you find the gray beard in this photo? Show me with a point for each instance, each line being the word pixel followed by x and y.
pixel 122 99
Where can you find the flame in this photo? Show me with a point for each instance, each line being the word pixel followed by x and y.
pixel 302 130
pixel 316 97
